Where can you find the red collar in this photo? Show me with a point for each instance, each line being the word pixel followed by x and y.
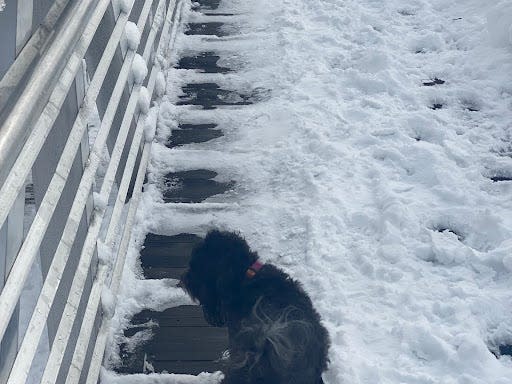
pixel 254 269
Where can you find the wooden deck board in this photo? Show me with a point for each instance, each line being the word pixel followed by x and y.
pixel 167 257
pixel 193 186
pixel 181 341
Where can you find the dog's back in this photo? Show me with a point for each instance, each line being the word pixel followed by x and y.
pixel 275 333
pixel 281 337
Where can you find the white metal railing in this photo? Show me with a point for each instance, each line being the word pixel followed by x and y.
pixel 30 127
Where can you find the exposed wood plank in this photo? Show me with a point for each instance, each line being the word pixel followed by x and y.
pixel 187 367
pixel 163 273
pixel 191 336
pixel 206 5
pixel 182 342
pixel 198 126
pixel 193 186
pixel 157 240
pixel 181 137
pixel 206 62
pixel 506 350
pixel 209 348
pixel 185 315
pixel 211 95
pixel 176 256
pixel 209 29
pixel 167 257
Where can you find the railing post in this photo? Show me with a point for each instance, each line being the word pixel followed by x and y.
pixel 8 33
pixel 15 27
pixel 64 227
pixel 11 237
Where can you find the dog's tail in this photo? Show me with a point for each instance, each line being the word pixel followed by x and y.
pixel 287 337
pixel 283 334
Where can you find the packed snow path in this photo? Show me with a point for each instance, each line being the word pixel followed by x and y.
pixel 363 146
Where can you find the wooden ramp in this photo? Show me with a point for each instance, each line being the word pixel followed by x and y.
pixel 179 340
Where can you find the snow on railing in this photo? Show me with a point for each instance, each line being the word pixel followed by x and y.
pixel 24 132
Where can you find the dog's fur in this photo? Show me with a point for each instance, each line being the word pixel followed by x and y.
pixel 275 335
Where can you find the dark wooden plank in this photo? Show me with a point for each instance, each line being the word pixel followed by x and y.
pixel 198 126
pixel 218 14
pixel 505 350
pixel 181 137
pixel 185 315
pixel 501 178
pixel 193 186
pixel 207 350
pixel 434 82
pixel 206 5
pixel 187 367
pixel 189 322
pixel 196 191
pixel 175 255
pixel 182 342
pixel 133 362
pixel 206 62
pixel 207 29
pixel 191 336
pixel 157 240
pixel 163 273
pixel 167 257
pixel 183 311
pixel 195 174
pixel 211 95
pixel 187 343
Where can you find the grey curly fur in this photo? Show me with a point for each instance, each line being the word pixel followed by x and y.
pixel 275 334
pixel 278 332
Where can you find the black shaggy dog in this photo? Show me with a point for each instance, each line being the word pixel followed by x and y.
pixel 275 334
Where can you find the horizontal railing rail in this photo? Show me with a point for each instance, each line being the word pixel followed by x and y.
pixel 35 94
pixel 27 128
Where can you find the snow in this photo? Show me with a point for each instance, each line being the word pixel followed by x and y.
pixel 123 6
pixel 108 303
pixel 132 34
pixel 150 125
pixel 144 101
pixel 166 121
pixel 499 24
pixel 111 378
pixel 100 202
pixel 346 178
pixel 139 69
pixel 105 253
pixel 160 84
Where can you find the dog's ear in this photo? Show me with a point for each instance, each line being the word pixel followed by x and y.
pixel 223 258
pixel 214 315
pixel 228 282
pixel 208 297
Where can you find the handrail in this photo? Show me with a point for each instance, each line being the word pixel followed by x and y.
pixel 67 53
pixel 16 178
pixel 16 127
pixel 33 49
pixel 171 20
pixel 70 311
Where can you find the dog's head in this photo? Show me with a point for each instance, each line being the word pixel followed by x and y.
pixel 216 271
